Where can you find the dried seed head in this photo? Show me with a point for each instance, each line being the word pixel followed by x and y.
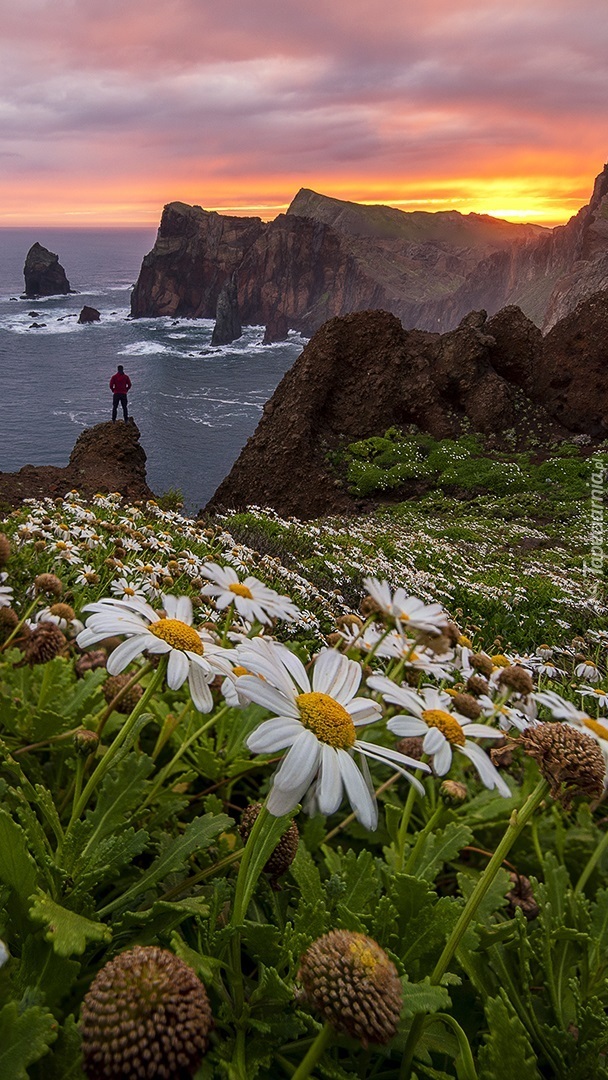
pixel 85 742
pixel 453 634
pixel 482 663
pixel 5 549
pixel 517 679
pixel 477 685
pixel 466 705
pixel 435 643
pixel 89 661
pixel 146 1014
pixel 63 611
pixel 8 621
pixel 334 640
pixel 44 643
pixel 113 685
pixel 285 851
pixel 453 793
pixel 49 584
pixel 369 606
pixel 521 896
pixel 350 980
pixel 570 761
pixel 349 622
pixel 411 745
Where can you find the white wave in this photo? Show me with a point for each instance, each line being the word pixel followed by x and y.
pixel 145 348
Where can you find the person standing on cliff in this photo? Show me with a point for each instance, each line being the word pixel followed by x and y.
pixel 120 384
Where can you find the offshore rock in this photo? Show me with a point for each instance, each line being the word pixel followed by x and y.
pixel 227 322
pixel 363 373
pixel 44 274
pixel 107 457
pixel 327 257
pixel 89 315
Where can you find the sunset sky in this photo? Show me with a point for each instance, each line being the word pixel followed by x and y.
pixel 111 108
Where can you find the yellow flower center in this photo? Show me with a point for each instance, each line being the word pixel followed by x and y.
pixel 128 591
pixel 500 661
pixel 447 725
pixel 178 635
pixel 327 719
pixel 363 957
pixel 465 641
pixel 598 729
pixel 241 590
pixel 239 670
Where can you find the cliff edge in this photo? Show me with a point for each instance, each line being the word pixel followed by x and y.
pixel 107 457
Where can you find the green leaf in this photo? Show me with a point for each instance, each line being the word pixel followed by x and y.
pixel 43 978
pixel 305 873
pixel 422 997
pixel 507 1052
pixel 197 836
pixel 441 847
pixel 24 1038
pixel 108 857
pixel 68 932
pixel 17 868
pixel 65 1059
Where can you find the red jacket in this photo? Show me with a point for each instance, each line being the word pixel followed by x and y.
pixel 120 383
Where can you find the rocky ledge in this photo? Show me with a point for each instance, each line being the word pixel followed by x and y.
pixel 107 457
pixel 363 373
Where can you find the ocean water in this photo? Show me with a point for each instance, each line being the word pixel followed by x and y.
pixel 194 404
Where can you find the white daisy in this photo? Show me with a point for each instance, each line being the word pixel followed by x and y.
pixel 253 600
pixel 317 723
pixel 428 715
pixel 127 590
pixel 6 592
pixel 600 696
pixel 588 670
pixel 193 655
pixel 408 610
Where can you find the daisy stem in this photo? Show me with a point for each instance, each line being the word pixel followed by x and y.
pixel 106 761
pixel 421 838
pixel 517 823
pixel 405 820
pixel 315 1053
pixel 591 864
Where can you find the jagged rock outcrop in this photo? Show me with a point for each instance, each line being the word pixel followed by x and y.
pixel 327 257
pixel 89 315
pixel 107 457
pixel 44 274
pixel 227 320
pixel 363 373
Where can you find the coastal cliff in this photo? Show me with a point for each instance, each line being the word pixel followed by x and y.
pixel 363 373
pixel 326 257
pixel 106 457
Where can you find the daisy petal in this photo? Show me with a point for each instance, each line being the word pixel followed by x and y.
pixel 122 656
pixel 363 804
pixel 273 735
pixel 177 669
pixel 329 787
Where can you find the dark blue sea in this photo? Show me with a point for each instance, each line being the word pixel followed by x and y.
pixel 195 405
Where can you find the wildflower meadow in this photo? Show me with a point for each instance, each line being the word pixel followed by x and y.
pixel 300 800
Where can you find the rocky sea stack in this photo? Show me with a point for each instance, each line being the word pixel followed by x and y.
pixel 44 274
pixel 107 457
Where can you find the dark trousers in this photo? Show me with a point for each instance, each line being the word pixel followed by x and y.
pixel 120 399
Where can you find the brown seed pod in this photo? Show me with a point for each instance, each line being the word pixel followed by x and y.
pixel 5 549
pixel 44 643
pixel 570 761
pixel 351 981
pixel 89 661
pixel 113 685
pixel 477 685
pixel 49 584
pixel 285 851
pixel 466 705
pixel 482 663
pixel 411 746
pixel 517 679
pixel 8 621
pixel 453 793
pixel 146 1014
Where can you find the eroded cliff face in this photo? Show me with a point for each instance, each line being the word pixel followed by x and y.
pixel 107 457
pixel 363 373
pixel 326 257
